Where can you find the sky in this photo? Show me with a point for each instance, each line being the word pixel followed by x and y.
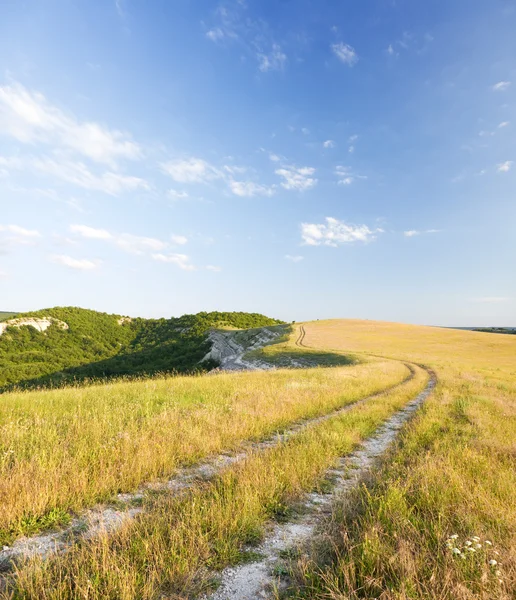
pixel 306 159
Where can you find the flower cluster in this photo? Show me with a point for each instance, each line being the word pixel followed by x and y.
pixel 475 547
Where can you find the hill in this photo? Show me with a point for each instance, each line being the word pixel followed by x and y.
pixel 63 344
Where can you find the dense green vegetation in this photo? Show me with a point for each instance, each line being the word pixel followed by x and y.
pixel 98 345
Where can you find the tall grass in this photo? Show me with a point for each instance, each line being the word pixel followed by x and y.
pixel 61 450
pixel 452 474
pixel 170 551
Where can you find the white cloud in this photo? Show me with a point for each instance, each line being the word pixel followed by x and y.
pixel 501 86
pixel 297 178
pixel 346 176
pixel 275 157
pixel 90 232
pixel 250 189
pixel 81 264
pixel 490 299
pixel 345 53
pixel 133 244
pixel 29 117
pixel 79 174
pixel 329 144
pixel 294 259
pixel 351 149
pixel 503 124
pixel 505 166
pixel 180 240
pixel 177 195
pixel 180 260
pixel 191 170
pixel 335 232
pixel 215 34
pixel 390 51
pixel 275 60
pixel 20 231
pixel 353 138
pixel 414 232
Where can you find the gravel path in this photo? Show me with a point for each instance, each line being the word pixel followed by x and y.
pixel 256 580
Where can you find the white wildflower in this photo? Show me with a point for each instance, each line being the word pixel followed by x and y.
pixel 456 551
pixel 493 562
pixel 488 543
pixel 475 538
pixel 478 546
pixel 454 536
pixel 468 543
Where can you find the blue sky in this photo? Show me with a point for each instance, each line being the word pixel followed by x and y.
pixel 302 158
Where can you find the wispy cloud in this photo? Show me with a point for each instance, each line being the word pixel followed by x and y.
pixel 505 167
pixel 249 189
pixel 179 260
pixel 20 232
pixel 180 240
pixel 28 117
pixel 501 86
pixel 294 259
pixel 215 35
pixel 329 144
pixel 133 244
pixel 274 60
pixel 414 232
pixel 177 195
pixel 191 170
pixel 345 53
pixel 346 176
pixel 503 124
pixel 90 232
pixel 78 264
pixel 232 23
pixel 335 233
pixel 297 178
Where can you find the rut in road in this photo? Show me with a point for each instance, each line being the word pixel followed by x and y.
pixel 108 519
pixel 255 580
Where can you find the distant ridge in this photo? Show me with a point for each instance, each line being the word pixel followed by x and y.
pixel 74 344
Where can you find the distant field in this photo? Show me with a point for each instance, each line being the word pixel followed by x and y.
pixel 4 316
pixel 452 472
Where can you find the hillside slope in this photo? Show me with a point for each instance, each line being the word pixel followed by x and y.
pixel 76 343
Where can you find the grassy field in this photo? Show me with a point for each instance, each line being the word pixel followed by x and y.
pixel 170 551
pixel 65 449
pixel 452 474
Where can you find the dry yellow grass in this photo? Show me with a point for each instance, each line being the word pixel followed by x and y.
pixel 61 450
pixel 454 473
pixel 170 551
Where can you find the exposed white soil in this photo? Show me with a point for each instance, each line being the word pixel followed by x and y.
pixel 256 580
pixel 41 324
pixel 229 348
pixel 109 518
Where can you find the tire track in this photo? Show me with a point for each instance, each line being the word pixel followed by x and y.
pixel 256 579
pixel 109 518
